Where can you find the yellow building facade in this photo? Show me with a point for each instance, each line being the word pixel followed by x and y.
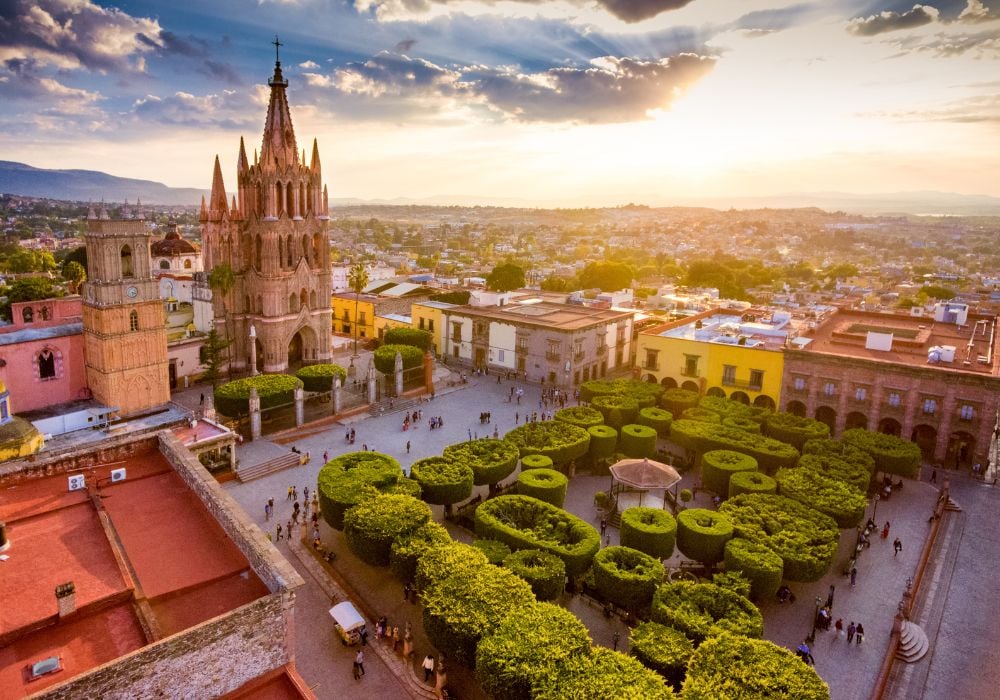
pixel 350 309
pixel 429 316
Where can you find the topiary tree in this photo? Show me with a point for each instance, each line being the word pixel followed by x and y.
pixel 626 577
pixel 603 442
pixel 892 455
pixel 733 581
pixel 856 473
pixel 805 539
pixel 531 643
pixel 617 409
pixel 233 398
pixel 408 336
pixel 320 377
pixel 345 480
pixel 702 534
pixel 491 460
pixel 531 462
pixel 649 530
pixel 658 419
pixel 699 437
pixel 638 441
pixel 679 400
pixel 438 562
pixel 495 551
pixel 544 572
pixel 662 649
pixel 559 441
pixel 544 484
pixel 742 423
pixel 839 450
pixel 731 666
pixel 795 430
pixel 838 499
pixel 703 610
pixel 384 358
pixel 758 563
pixel 462 608
pixel 724 407
pixel 407 549
pixel 702 415
pixel 580 416
pixel 602 674
pixel 442 481
pixel 718 466
pixel 645 393
pixel 751 482
pixel 372 526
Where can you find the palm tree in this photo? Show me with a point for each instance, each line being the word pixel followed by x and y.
pixel 221 280
pixel 357 278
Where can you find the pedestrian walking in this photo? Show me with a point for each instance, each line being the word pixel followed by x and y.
pixel 289 528
pixel 934 475
pixel 614 641
pixel 805 653
pixel 851 629
pixel 428 666
pixel 289 494
pixel 278 537
pixel 407 447
pixel 406 593
pixel 829 597
pixel 295 493
pixel 839 625
pixel 326 456
pixel 359 664
pixel 897 547
pixel 315 533
pixel 267 511
pixel 604 526
pixel 305 495
pixel 885 531
pixel 395 637
pixel 854 576
pixel 859 633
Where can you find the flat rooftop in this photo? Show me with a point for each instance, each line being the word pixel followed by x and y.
pixel 751 329
pixel 146 557
pixel 564 317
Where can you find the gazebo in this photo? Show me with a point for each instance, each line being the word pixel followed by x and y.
pixel 645 475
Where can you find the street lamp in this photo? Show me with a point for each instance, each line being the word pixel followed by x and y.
pixel 812 632
pixel 878 497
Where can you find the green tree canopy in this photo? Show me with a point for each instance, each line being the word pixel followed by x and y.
pixel 505 277
pixel 606 276
pixel 30 289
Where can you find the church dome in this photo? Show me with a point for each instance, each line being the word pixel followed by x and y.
pixel 173 244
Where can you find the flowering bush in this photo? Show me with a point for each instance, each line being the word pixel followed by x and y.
pixel 626 577
pixel 758 563
pixel 663 649
pixel 555 439
pixel 544 484
pixel 345 480
pixel 372 526
pixel 718 466
pixel 491 460
pixel 544 572
pixel 233 398
pixel 702 534
pixel 580 416
pixel 703 610
pixel 320 377
pixel 649 530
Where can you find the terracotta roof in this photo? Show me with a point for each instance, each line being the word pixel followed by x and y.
pixel 173 244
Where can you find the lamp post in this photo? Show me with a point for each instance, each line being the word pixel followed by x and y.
pixel 878 497
pixel 253 350
pixel 812 631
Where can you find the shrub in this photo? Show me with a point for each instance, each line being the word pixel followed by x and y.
pixel 602 674
pixel 645 393
pixel 345 480
pixel 320 377
pixel 557 440
pixel 805 539
pixel 626 577
pixel 795 430
pixel 638 441
pixel 703 610
pixel 663 649
pixel 649 530
pixel 838 499
pixel 656 418
pixel 580 416
pixel 702 437
pixel 536 462
pixel 407 549
pixel 732 581
pixel 742 423
pixel 854 473
pixel 526 646
pixel 718 466
pixel 527 523
pixel 751 482
pixel 491 460
pixel 758 563
pixel 372 526
pixel 678 400
pixel 544 484
pixel 495 551
pixel 703 415
pixel 462 608
pixel 702 534
pixel 233 398
pixel 737 668
pixel 724 407
pixel 544 572
pixel 603 441
pixel 441 561
pixel 892 455
pixel 617 409
pixel 442 481
pixel 829 447
pixel 408 336
pixel 384 358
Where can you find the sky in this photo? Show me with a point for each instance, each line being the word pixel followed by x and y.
pixel 544 102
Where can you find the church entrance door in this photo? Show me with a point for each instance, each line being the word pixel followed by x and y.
pixel 295 351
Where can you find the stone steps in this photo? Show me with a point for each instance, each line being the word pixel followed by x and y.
pixel 913 643
pixel 952 506
pixel 395 405
pixel 292 459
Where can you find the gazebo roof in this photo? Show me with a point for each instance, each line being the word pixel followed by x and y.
pixel 645 474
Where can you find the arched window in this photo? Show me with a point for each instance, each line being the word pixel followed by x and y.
pixel 289 260
pixel 293 303
pixel 260 304
pixel 187 264
pixel 281 251
pixel 306 248
pixel 290 200
pixel 247 306
pixel 318 248
pixel 303 299
pixel 126 256
pixel 312 299
pixel 46 364
pixel 45 313
pixel 258 252
pixel 133 320
pixel 164 264
pixel 27 315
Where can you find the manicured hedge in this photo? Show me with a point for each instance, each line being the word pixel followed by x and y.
pixel 544 572
pixel 580 416
pixel 841 450
pixel 658 419
pixel 649 530
pixel 384 358
pixel 737 668
pixel 408 336
pixel 724 407
pixel 495 551
pixel 345 480
pixel 491 460
pixel 617 409
pixel 733 581
pixel 663 649
pixel 442 481
pixel 751 482
pixel 536 462
pixel 233 398
pixel 637 441
pixel 702 415
pixel 461 609
pixel 557 440
pixel 770 454
pixel 544 484
pixel 527 523
pixel 838 499
pixel 678 400
pixel 602 675
pixel 407 549
pixel 703 610
pixel 892 455
pixel 603 442
pixel 439 562
pixel 320 377
pixel 645 393
pixel 373 525
pixel 718 466
pixel 626 577
pixel 742 423
pixel 805 539
pixel 793 429
pixel 854 473
pixel 762 567
pixel 702 534
pixel 525 647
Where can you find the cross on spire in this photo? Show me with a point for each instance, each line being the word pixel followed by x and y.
pixel 277 45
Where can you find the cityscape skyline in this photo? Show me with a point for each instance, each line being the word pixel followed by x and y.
pixel 561 103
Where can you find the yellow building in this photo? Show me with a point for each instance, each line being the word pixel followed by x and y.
pixel 350 309
pixel 384 322
pixel 429 316
pixel 732 354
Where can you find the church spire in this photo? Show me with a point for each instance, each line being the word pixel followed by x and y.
pixel 278 150
pixel 217 205
pixel 241 160
pixel 314 164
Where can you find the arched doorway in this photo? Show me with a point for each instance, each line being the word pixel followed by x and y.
pixel 890 426
pixel 295 351
pixel 740 396
pixel 855 420
pixel 925 436
pixel 691 386
pixel 650 378
pixel 668 383
pixel 765 401
pixel 796 408
pixel 961 448
pixel 825 414
pixel 302 347
pixel 716 391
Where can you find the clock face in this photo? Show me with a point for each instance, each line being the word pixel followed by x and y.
pixel 132 292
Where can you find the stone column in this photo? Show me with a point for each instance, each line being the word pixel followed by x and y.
pixel 300 401
pixel 254 414
pixel 429 372
pixel 398 374
pixel 842 409
pixel 253 351
pixel 371 384
pixel 877 398
pixel 910 401
pixel 335 397
pixel 946 411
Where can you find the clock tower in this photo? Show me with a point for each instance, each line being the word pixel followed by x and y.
pixel 124 328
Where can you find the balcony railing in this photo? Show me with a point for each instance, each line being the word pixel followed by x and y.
pixel 552 356
pixel 685 372
pixel 742 384
pixel 654 367
pixel 578 357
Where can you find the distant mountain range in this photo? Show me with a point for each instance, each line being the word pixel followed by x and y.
pixel 92 185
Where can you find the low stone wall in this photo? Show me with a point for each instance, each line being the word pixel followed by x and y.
pixel 113 449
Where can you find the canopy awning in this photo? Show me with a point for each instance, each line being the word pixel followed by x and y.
pixel 645 474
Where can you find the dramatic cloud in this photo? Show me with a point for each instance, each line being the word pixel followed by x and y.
pixel 893 21
pixel 625 10
pixel 975 11
pixel 230 109
pixel 309 65
pixel 393 74
pixel 985 44
pixel 768 21
pixel 974 110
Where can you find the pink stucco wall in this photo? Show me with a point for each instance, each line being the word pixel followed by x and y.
pixel 20 372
